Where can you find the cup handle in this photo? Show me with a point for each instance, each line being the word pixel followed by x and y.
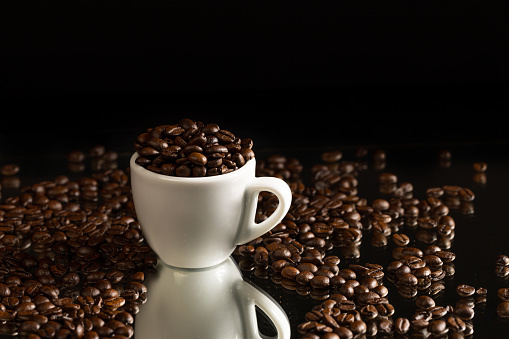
pixel 249 229
pixel 251 296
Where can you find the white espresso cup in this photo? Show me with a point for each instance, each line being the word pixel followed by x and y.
pixel 211 303
pixel 197 222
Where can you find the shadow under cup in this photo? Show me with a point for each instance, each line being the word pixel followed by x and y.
pixel 197 222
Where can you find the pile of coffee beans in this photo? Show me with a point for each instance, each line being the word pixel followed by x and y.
pixel 338 318
pixel 73 258
pixel 192 149
pixel 327 216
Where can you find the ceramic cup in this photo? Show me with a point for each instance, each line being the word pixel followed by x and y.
pixel 212 303
pixel 198 222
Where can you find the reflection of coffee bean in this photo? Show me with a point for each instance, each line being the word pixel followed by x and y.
pixel 9 169
pixel 503 309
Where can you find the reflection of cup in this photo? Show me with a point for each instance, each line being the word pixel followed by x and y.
pixel 198 222
pixel 209 303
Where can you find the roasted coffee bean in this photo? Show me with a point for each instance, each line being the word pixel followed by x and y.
pixel 401 325
pixel 446 256
pixel 114 303
pixel 438 327
pixel 5 291
pixel 502 260
pixel 455 323
pixel 343 332
pixel 465 290
pixel 332 156
pixel 319 281
pixel 137 286
pixel 400 239
pixel 304 277
pixel 9 169
pixel 407 279
pixel 502 271
pixel 424 302
pixel 369 312
pixel 290 272
pixel 465 194
pixel 480 166
pixel 183 171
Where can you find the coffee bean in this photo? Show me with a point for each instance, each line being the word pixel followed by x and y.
pixel 369 312
pixel 465 290
pixel 424 302
pixel 9 169
pixel 446 256
pixel 114 303
pixel 400 239
pixel 304 277
pixel 5 291
pixel 438 327
pixel 502 260
pixel 455 323
pixel 401 325
pixel 465 194
pixel 174 130
pixel 216 149
pixel 183 171
pixel 407 279
pixel 290 272
pixel 320 281
pixel 480 166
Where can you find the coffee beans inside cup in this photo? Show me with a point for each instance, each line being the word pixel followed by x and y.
pixel 192 149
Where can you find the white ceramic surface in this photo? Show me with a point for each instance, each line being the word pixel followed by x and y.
pixel 209 303
pixel 198 222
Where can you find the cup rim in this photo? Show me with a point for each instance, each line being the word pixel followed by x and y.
pixel 143 171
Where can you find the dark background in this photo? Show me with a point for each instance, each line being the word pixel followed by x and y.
pixel 295 76
pixel 286 74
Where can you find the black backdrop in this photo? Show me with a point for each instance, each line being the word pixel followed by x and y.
pixel 289 73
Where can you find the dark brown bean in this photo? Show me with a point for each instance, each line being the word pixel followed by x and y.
pixel 424 302
pixel 304 277
pixel 9 169
pixel 320 281
pixel 480 166
pixel 114 303
pixel 465 290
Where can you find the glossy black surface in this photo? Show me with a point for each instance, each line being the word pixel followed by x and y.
pixel 480 237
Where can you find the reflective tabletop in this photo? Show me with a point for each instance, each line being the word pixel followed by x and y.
pixel 478 238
